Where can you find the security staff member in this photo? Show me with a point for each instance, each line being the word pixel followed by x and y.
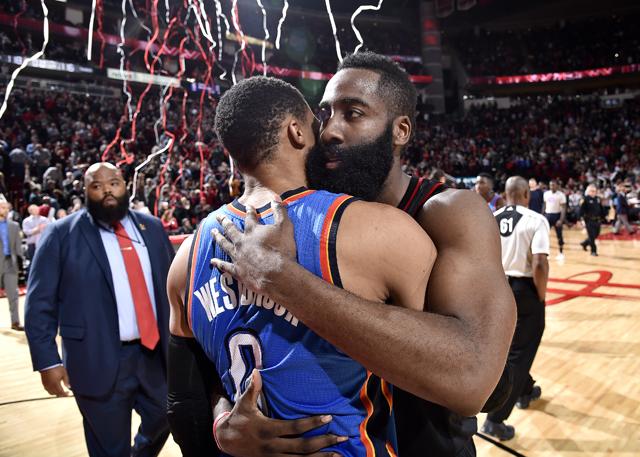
pixel 525 248
pixel 591 213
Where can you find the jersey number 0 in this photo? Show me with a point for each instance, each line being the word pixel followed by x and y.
pixel 245 354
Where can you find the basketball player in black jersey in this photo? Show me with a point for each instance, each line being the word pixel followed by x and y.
pixel 462 338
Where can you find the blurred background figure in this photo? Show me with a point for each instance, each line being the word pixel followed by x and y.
pixel 555 210
pixel 11 245
pixel 32 227
pixel 484 187
pixel 591 212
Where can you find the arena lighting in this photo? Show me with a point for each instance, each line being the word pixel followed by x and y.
pixel 320 76
pixel 145 78
pixel 48 64
pixel 551 77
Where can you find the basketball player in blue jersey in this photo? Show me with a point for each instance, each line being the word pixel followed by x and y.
pixel 454 353
pixel 268 129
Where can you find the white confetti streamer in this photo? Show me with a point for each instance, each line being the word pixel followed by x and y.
pixel 120 49
pixel 280 22
pixel 28 60
pixel 91 20
pixel 220 14
pixel 236 26
pixel 353 21
pixel 335 30
pixel 266 37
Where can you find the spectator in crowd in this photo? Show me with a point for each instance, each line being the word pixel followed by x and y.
pixel 567 45
pixel 33 226
pixel 591 214
pixel 622 211
pixel 536 200
pixel 169 222
pixel 11 243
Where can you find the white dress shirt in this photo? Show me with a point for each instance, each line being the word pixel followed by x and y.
pixel 127 322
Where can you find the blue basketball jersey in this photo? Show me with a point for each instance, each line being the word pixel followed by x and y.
pixel 302 374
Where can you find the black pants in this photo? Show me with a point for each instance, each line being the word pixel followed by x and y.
pixel 553 218
pixel 140 386
pixel 593 231
pixel 529 330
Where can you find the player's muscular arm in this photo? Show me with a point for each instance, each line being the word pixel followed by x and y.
pixel 471 306
pixel 460 345
pixel 382 253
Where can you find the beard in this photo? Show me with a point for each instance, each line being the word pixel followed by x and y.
pixel 109 214
pixel 361 172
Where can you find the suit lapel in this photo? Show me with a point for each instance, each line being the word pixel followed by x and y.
pixel 91 234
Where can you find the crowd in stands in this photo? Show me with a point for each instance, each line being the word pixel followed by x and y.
pixel 564 46
pixel 47 140
pixel 307 41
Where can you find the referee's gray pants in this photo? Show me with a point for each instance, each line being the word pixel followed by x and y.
pixel 526 339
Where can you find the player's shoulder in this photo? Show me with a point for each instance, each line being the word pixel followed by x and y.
pixel 370 212
pixel 456 217
pixel 456 202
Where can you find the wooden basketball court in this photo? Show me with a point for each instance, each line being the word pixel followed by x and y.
pixel 588 367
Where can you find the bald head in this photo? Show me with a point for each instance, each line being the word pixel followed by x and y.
pixel 102 170
pixel 517 190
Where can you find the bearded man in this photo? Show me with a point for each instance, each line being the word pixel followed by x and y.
pixel 99 276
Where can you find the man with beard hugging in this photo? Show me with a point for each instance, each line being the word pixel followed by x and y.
pixel 99 276
pixel 469 312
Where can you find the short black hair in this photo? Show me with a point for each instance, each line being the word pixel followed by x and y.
pixel 394 85
pixel 486 176
pixel 249 116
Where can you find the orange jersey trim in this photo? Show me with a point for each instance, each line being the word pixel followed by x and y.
pixel 325 264
pixel 387 394
pixel 368 404
pixel 390 450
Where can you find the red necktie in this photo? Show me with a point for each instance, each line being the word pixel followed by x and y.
pixel 144 309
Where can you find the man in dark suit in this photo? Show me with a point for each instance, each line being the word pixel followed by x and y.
pixel 100 276
pixel 10 250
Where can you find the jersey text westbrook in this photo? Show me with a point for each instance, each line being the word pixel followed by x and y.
pixel 216 301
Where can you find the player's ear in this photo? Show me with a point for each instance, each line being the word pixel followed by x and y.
pixel 295 133
pixel 401 131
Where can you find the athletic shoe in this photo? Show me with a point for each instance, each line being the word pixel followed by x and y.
pixel 584 246
pixel 595 254
pixel 560 256
pixel 524 400
pixel 499 430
